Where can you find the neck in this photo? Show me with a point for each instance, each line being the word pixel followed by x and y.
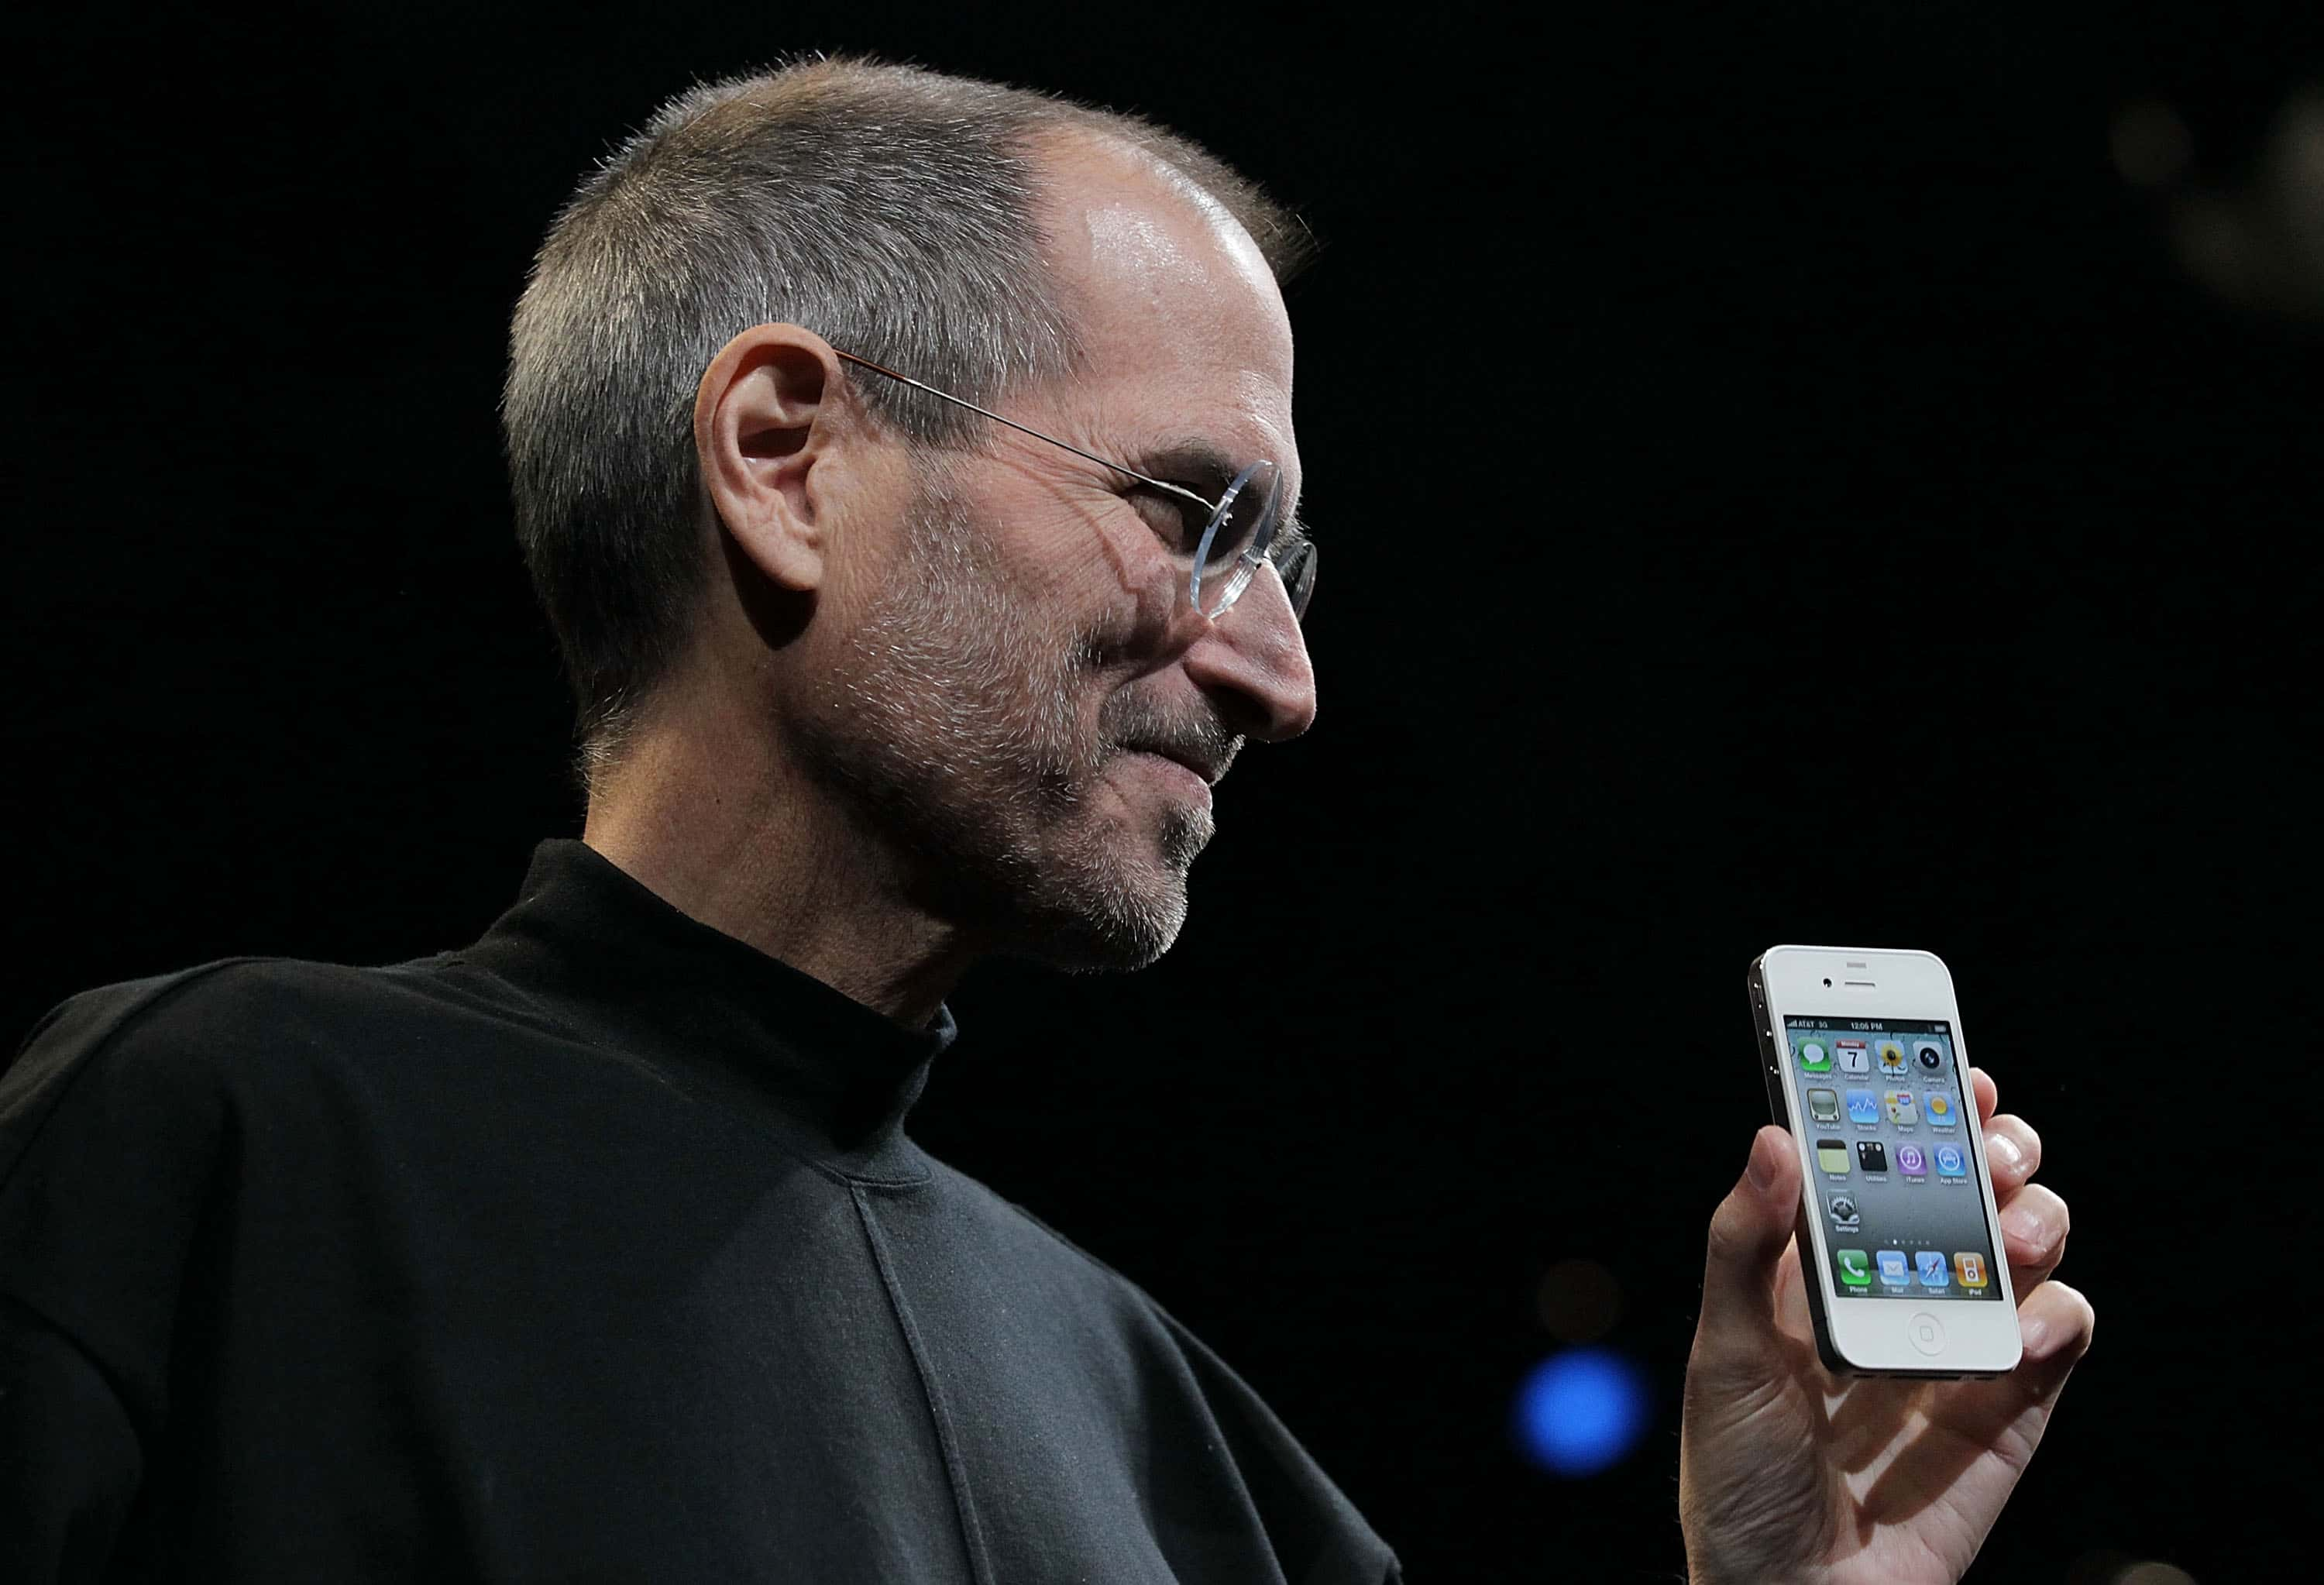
pixel 740 841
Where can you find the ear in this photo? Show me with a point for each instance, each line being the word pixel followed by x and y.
pixel 765 415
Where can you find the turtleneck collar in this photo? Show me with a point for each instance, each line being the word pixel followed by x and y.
pixel 610 961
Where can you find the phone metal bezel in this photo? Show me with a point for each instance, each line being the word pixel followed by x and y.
pixel 1868 1336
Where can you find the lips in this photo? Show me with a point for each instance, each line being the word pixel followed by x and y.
pixel 1209 771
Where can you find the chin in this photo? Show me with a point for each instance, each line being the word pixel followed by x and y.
pixel 1110 921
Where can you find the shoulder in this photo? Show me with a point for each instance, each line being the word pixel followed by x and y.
pixel 1034 1237
pixel 177 1044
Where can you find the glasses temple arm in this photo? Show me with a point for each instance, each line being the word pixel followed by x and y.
pixel 1035 434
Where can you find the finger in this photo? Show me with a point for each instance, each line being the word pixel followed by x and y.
pixel 1748 1232
pixel 2056 1322
pixel 2034 1227
pixel 1982 1088
pixel 2014 1150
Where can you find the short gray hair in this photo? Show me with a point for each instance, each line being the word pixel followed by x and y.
pixel 889 210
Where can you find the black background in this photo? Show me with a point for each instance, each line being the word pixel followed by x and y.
pixel 1775 485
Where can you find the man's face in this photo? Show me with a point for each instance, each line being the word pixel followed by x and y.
pixel 1023 668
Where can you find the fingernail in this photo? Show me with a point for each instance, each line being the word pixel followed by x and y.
pixel 2028 1228
pixel 1761 1168
pixel 2033 1329
pixel 2005 1147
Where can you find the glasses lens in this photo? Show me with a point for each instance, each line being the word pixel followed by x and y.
pixel 1249 516
pixel 1297 567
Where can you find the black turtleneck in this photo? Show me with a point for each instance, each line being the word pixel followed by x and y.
pixel 595 1250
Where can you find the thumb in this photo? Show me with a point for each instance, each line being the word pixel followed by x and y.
pixel 1748 1234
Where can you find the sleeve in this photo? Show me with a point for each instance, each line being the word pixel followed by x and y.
pixel 70 1463
pixel 109 1142
pixel 1319 1537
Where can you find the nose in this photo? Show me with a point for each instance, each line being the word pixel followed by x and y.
pixel 1252 661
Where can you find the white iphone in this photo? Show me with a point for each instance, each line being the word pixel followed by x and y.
pixel 1899 1239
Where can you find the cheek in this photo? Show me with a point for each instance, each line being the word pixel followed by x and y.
pixel 1125 598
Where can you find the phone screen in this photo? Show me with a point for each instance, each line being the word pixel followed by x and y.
pixel 1891 1137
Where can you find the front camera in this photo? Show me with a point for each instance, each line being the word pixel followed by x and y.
pixel 1827 984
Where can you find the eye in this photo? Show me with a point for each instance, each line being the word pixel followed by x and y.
pixel 1177 521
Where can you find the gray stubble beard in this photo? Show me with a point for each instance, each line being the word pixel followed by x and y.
pixel 952 730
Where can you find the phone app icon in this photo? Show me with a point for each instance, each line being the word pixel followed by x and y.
pixel 1852 1057
pixel 1815 1057
pixel 1893 1272
pixel 1872 1156
pixel 1910 1160
pixel 1892 1057
pixel 1855 1268
pixel 1844 1216
pixel 1930 1056
pixel 1969 1266
pixel 1930 1264
pixel 1863 1106
pixel 1831 1155
pixel 1902 1107
pixel 1938 1108
pixel 1951 1162
pixel 1823 1105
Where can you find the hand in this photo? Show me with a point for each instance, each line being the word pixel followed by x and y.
pixel 1789 1473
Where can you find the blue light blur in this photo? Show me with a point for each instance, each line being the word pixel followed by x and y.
pixel 1581 1410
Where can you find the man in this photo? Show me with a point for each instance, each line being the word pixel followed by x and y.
pixel 907 467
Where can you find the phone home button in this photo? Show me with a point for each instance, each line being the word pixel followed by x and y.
pixel 1927 1334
